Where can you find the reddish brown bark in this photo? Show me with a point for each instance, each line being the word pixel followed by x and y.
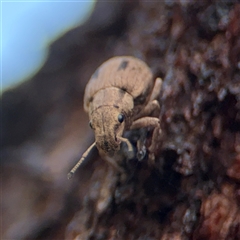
pixel 192 190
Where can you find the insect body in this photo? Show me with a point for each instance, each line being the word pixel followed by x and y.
pixel 120 96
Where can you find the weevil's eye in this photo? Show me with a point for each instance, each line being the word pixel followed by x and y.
pixel 120 118
pixel 90 124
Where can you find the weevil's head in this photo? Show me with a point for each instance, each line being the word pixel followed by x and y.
pixel 108 123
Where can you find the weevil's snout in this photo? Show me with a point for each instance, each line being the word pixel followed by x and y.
pixel 107 144
pixel 108 124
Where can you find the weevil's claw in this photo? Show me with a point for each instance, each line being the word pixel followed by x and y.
pixel 141 154
pixel 70 175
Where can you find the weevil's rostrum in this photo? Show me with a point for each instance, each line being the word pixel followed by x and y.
pixel 121 95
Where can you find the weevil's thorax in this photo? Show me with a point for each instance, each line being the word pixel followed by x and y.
pixel 110 115
pixel 112 101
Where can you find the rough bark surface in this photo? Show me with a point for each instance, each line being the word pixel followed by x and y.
pixel 191 191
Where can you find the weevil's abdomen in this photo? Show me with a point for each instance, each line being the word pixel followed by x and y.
pixel 127 73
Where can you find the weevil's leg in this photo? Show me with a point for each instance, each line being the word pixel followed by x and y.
pixel 149 122
pixel 141 148
pixel 145 122
pixel 130 147
pixel 149 109
pixel 156 89
pixel 85 154
pixel 154 143
pixel 130 153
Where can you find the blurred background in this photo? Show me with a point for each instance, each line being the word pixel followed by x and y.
pixel 49 51
pixel 28 28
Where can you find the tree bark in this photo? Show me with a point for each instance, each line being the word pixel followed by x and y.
pixel 192 189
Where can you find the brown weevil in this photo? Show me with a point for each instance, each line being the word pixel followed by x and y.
pixel 121 95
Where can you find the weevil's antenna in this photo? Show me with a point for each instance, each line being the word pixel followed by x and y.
pixel 70 174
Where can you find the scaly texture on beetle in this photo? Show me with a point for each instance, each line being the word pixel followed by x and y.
pixel 120 96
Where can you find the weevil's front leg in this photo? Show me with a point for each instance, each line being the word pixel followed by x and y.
pixel 130 152
pixel 130 147
pixel 141 148
pixel 149 122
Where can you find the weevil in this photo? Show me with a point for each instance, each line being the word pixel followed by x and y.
pixel 121 95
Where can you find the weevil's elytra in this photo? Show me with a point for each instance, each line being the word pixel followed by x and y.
pixel 121 95
pixel 123 65
pixel 136 78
